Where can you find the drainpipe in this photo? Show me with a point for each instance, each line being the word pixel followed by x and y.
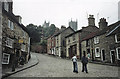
pixel 0 39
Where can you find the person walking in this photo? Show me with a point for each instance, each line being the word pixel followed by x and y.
pixel 74 59
pixel 84 61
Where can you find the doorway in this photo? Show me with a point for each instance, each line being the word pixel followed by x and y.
pixel 103 54
pixel 112 53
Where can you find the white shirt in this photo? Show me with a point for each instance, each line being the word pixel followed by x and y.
pixel 74 59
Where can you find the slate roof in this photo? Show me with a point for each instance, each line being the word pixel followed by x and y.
pixel 89 36
pixel 63 31
pixel 115 29
pixel 73 33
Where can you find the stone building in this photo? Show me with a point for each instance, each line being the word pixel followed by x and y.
pixel 114 46
pixel 74 46
pixel 49 45
pixel 15 37
pixel 60 43
pixel 102 45
pixel 87 44
pixel 73 25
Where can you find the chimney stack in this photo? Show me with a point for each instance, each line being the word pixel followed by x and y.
pixel 63 28
pixel 91 20
pixel 102 24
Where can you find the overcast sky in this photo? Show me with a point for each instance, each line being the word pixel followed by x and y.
pixel 60 12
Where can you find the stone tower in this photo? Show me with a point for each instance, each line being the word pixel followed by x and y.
pixel 73 25
pixel 46 24
pixel 91 20
pixel 102 24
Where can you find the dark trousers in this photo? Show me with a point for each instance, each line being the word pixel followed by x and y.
pixel 75 67
pixel 84 67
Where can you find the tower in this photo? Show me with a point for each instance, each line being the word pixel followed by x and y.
pixel 46 24
pixel 73 25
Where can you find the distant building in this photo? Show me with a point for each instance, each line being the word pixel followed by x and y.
pixel 73 25
pixel 46 24
pixel 118 10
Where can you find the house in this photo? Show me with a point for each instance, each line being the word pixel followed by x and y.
pixel 49 45
pixel 72 45
pixel 87 45
pixel 115 45
pixel 102 45
pixel 15 37
pixel 60 42
pixel 73 41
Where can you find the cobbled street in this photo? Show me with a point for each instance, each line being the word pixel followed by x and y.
pixel 50 66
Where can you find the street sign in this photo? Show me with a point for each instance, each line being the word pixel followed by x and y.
pixel 20 41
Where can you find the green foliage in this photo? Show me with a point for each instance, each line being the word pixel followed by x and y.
pixel 38 32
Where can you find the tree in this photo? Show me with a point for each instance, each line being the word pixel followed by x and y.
pixel 37 32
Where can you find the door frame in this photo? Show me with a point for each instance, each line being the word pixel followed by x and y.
pixel 102 54
pixel 111 55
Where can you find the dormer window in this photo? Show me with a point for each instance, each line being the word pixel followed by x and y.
pixel 6 6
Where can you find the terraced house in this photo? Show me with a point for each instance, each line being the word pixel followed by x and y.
pixel 15 37
pixel 60 41
pixel 73 41
pixel 103 46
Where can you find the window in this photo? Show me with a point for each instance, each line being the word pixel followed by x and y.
pixel 9 42
pixel 97 52
pixel 5 58
pixel 87 42
pixel 6 6
pixel 10 25
pixel 117 38
pixel 23 47
pixel 96 40
pixel 73 37
pixel 68 40
pixel 118 53
pixel 23 33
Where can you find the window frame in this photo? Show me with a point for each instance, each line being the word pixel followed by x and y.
pixel 97 54
pixel 96 40
pixel 9 42
pixel 116 38
pixel 6 6
pixel 117 53
pixel 10 24
pixel 7 58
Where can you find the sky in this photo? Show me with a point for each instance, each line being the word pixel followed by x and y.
pixel 60 12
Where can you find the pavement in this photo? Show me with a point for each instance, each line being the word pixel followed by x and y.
pixel 32 62
pixel 94 62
